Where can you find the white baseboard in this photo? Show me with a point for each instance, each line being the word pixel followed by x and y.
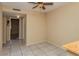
pixel 56 44
pixel 32 43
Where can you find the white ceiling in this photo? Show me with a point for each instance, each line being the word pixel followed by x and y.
pixel 28 6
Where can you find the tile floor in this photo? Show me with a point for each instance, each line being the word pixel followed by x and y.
pixel 17 48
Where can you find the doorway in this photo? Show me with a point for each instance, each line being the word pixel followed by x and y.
pixel 14 29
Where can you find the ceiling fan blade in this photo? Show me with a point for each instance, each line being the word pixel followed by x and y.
pixel 33 2
pixel 35 6
pixel 40 2
pixel 48 3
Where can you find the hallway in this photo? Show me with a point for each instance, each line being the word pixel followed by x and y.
pixel 18 48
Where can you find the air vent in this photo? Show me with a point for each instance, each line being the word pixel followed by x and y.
pixel 16 9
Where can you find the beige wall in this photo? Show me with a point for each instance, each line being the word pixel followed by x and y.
pixel 36 28
pixel 4 30
pixel 63 24
pixel 1 29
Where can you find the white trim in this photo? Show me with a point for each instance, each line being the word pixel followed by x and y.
pixel 8 30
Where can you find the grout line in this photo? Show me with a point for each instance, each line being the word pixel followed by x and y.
pixel 21 50
pixel 42 50
pixel 31 50
pixel 10 47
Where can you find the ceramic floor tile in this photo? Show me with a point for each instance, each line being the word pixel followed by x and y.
pixel 18 48
pixel 27 53
pixel 5 52
pixel 38 52
pixel 33 47
pixel 16 52
pixel 51 54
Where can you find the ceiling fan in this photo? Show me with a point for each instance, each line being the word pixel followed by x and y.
pixel 41 4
